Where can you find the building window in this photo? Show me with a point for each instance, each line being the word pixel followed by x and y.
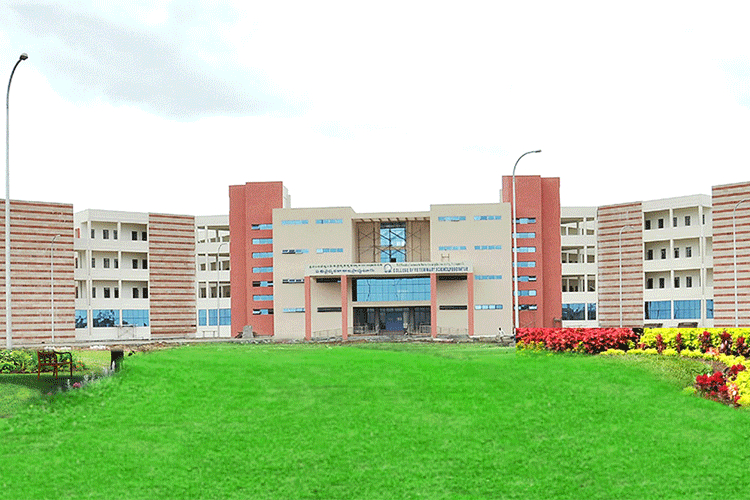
pixel 662 283
pixel 592 311
pixel 117 264
pixel 527 293
pixel 687 309
pixel 93 233
pixel 289 281
pixel 650 283
pixel 93 292
pixel 658 309
pixel 262 312
pixel 452 218
pixel 106 262
pixel 134 235
pixel 293 222
pixel 145 292
pixel 264 269
pixel 524 249
pixel 688 252
pixel 262 241
pixel 488 217
pixel 329 221
pixel 676 252
pixel 392 242
pixel 573 312
pixel 144 235
pixel 525 220
pixel 135 263
pixel 660 223
pixel 490 277
pixel 259 298
pixel 446 248
pixel 526 263
pixel 329 309
pixel 674 221
pixel 135 292
pixel 117 292
pixel 677 282
pixel 687 220
pixel 709 309
pixel 105 234
pixel 261 227
pixel 527 307
pixel 494 247
pixel 650 254
pixel 104 318
pixel 647 224
pixel 93 262
pixel 82 317
pixel 114 234
pixel 106 292
pixel 294 309
pixel 330 250
pixel 453 308
pixel 262 284
pixel 262 255
pixel 390 289
pixel 144 264
pixel 688 282
pixel 525 235
pixel 663 253
pixel 525 279
pixel 491 307
pixel 135 317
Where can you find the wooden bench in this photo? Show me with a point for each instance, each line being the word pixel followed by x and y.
pixel 54 359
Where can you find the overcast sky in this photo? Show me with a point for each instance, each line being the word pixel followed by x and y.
pixel 159 106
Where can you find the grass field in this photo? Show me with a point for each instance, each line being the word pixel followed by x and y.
pixel 377 421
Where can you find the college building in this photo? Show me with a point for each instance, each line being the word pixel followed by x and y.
pixel 269 270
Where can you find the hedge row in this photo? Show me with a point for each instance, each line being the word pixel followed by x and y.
pixel 24 361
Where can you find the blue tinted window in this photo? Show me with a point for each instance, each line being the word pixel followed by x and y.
pixel 391 289
pixel 330 250
pixel 573 311
pixel 528 263
pixel 256 227
pixel 527 293
pixel 263 269
pixel 262 297
pixel 201 317
pixel 687 309
pixel 82 318
pixel 658 309
pixel 262 312
pixel 262 255
pixel 526 249
pixel 592 311
pixel 709 309
pixel 262 241
pixel 103 318
pixel 293 222
pixel 488 277
pixel 136 317
pixel 452 247
pixel 487 217
pixel 526 220
pixel 294 309
pixel 488 247
pixel 292 251
pixel 452 218
pixel 224 314
pixel 480 307
pixel 525 235
pixel 329 221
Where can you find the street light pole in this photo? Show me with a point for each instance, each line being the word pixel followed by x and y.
pixel 619 238
pixel 734 246
pixel 8 321
pixel 52 285
pixel 515 242
pixel 218 287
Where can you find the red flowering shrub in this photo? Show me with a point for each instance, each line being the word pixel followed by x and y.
pixel 588 340
pixel 719 387
pixel 659 344
pixel 725 346
pixel 678 346
pixel 705 341
pixel 741 348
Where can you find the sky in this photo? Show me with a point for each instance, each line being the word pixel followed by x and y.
pixel 159 106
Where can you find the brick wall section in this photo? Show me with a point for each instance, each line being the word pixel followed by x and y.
pixel 724 200
pixel 172 295
pixel 611 220
pixel 33 226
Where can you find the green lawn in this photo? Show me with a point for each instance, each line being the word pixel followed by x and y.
pixel 377 421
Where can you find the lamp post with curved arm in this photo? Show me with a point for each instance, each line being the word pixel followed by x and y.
pixel 8 320
pixel 734 246
pixel 619 238
pixel 515 242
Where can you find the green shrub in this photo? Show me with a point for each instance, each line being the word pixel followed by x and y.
pixel 17 361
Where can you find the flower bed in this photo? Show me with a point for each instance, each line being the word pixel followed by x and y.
pixel 587 340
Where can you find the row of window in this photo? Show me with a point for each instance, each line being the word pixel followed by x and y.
pixel 663 253
pixel 114 292
pixel 578 312
pixel 105 318
pixel 106 233
pixel 447 248
pixel 459 218
pixel 660 222
pixel 114 263
pixel 683 309
pixel 207 317
pixel 677 282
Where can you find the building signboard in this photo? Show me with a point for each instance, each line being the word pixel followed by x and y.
pixel 388 268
